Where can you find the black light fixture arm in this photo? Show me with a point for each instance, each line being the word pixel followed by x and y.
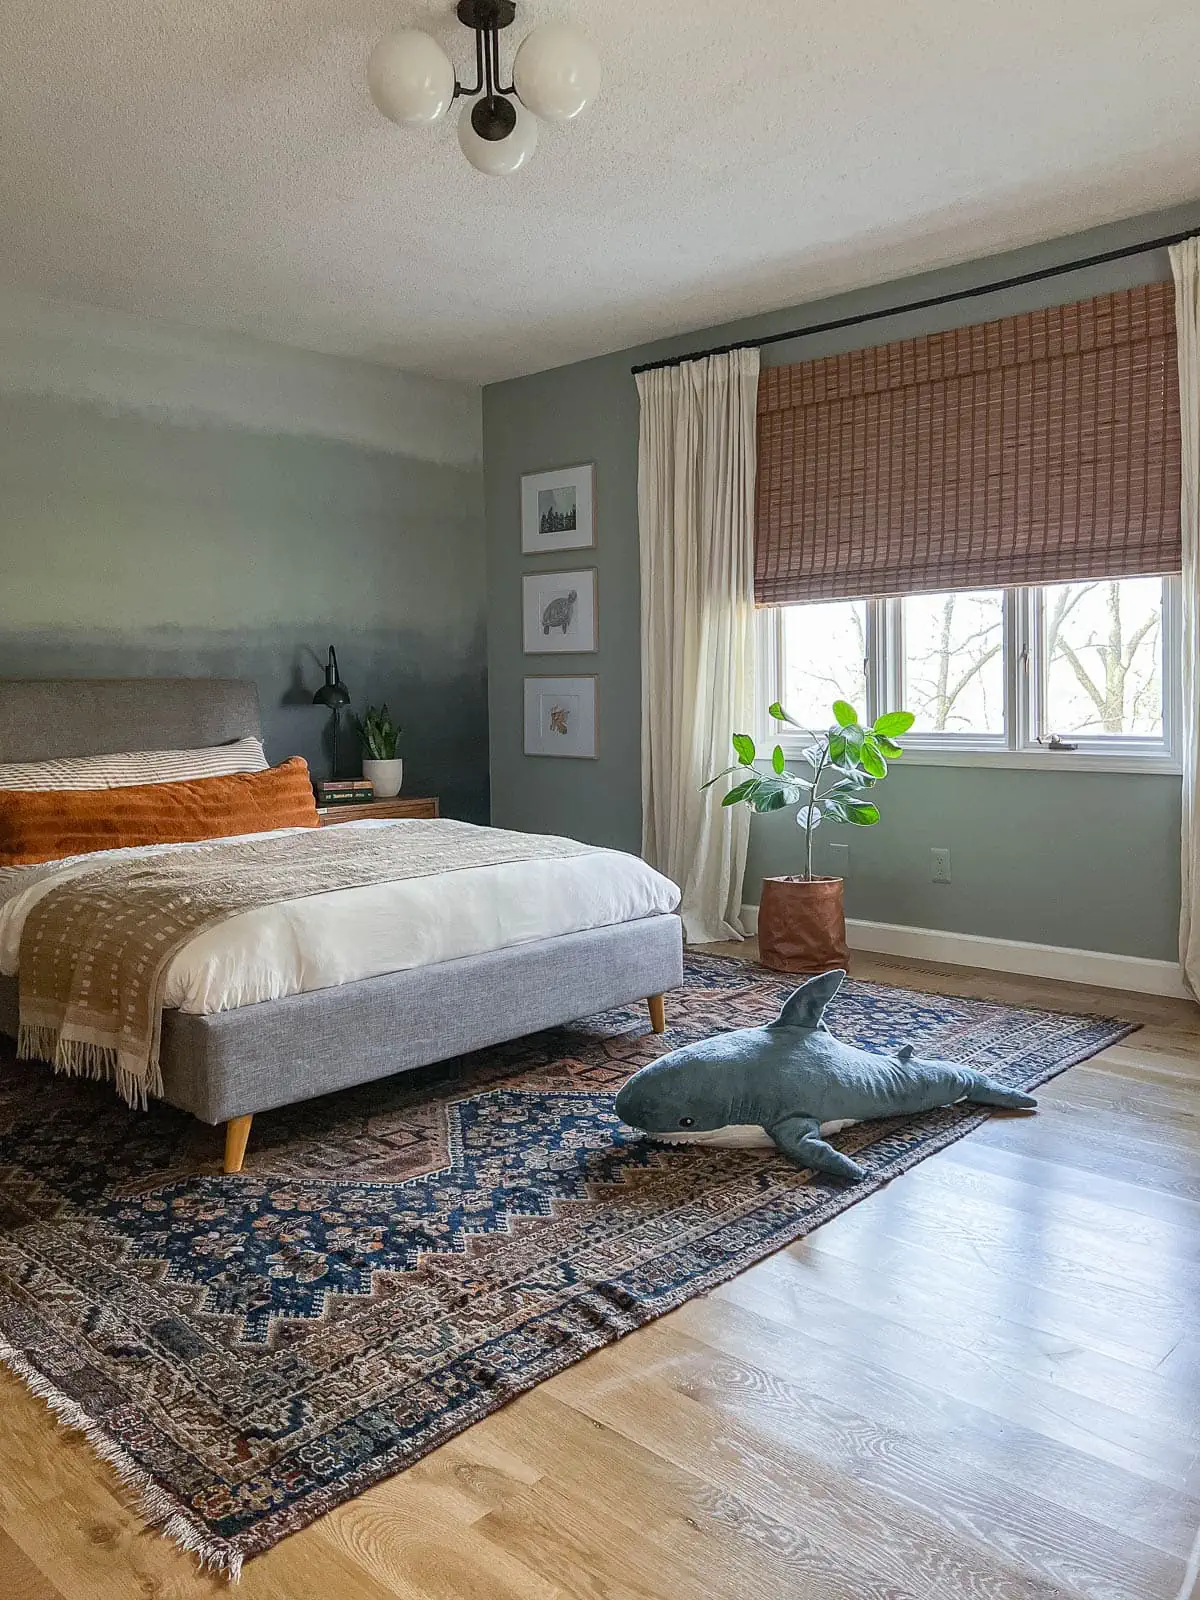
pixel 487 18
pixel 477 88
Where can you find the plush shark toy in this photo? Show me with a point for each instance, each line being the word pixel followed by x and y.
pixel 792 1081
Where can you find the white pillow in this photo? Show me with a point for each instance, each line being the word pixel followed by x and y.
pixel 135 766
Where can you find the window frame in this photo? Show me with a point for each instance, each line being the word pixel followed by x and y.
pixel 1018 746
pixel 992 744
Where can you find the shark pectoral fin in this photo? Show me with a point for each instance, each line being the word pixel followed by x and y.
pixel 985 1091
pixel 799 1138
pixel 905 1054
pixel 804 1007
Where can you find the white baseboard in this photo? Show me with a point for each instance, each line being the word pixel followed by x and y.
pixel 1099 968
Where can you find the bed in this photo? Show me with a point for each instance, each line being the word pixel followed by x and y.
pixel 225 1062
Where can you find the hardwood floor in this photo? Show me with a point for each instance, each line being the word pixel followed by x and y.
pixel 980 1384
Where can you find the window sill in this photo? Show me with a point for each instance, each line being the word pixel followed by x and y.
pixel 1162 766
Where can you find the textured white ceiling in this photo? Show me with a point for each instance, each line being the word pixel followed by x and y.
pixel 219 162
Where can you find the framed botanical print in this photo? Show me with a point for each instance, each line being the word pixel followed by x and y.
pixel 558 510
pixel 559 612
pixel 560 717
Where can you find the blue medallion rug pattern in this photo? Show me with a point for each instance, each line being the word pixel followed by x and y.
pixel 399 1260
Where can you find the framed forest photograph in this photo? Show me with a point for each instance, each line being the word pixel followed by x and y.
pixel 558 510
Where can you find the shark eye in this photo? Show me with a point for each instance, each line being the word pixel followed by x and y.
pixel 686 1122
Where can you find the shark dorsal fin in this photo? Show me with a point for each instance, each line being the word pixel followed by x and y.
pixel 805 1006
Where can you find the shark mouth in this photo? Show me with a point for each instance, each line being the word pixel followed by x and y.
pixel 737 1136
pixel 744 1135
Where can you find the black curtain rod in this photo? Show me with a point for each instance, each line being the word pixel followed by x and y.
pixel 924 305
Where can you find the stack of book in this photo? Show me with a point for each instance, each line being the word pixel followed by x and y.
pixel 344 791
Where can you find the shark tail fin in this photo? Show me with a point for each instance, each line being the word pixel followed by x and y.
pixel 805 1006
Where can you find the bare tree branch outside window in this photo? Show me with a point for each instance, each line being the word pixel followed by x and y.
pixel 1103 657
pixel 954 668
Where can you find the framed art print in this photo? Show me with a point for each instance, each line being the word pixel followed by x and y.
pixel 558 510
pixel 559 612
pixel 560 717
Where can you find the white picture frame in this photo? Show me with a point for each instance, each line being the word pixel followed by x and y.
pixel 561 717
pixel 558 510
pixel 559 613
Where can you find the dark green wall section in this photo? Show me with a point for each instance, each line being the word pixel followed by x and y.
pixel 136 544
pixel 1083 860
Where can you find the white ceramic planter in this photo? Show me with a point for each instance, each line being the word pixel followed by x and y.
pixel 386 777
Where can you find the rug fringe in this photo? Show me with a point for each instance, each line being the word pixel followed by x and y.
pixel 157 1507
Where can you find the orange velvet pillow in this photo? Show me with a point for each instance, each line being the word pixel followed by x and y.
pixel 48 824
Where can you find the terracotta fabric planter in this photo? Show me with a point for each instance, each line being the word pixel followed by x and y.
pixel 802 925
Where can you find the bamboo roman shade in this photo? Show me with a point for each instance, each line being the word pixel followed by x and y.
pixel 1038 449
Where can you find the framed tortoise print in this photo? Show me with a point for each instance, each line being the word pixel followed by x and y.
pixel 560 612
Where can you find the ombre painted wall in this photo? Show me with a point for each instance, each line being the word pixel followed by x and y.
pixel 176 503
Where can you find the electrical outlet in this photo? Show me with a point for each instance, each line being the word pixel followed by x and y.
pixel 939 861
pixel 839 859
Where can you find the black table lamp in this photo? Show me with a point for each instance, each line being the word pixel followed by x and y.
pixel 334 694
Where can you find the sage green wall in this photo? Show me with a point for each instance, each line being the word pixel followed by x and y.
pixel 1087 860
pixel 219 516
pixel 1084 860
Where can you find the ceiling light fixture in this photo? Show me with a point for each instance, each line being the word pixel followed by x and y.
pixel 556 73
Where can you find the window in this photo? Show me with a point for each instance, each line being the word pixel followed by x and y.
pixel 1101 659
pixel 825 655
pixel 1073 675
pixel 952 672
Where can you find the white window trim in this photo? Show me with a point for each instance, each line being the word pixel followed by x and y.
pixel 1019 747
pixel 1135 754
pixel 768 681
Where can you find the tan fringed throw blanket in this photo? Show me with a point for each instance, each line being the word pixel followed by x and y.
pixel 95 951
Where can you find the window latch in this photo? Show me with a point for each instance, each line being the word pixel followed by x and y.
pixel 1055 743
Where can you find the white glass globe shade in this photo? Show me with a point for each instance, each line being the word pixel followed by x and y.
pixel 410 77
pixel 499 157
pixel 556 71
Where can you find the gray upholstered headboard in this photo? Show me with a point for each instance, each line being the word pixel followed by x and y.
pixel 43 718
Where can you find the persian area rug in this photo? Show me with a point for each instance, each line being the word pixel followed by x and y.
pixel 398 1261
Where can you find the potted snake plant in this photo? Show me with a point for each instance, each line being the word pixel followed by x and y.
pixel 802 916
pixel 381 765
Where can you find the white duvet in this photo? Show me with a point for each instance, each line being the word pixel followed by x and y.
pixel 327 939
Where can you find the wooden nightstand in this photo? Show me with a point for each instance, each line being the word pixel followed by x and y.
pixel 399 807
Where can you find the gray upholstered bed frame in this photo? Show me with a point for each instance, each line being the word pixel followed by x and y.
pixel 227 1066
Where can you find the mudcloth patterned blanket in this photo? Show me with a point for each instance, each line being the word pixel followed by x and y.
pixel 96 950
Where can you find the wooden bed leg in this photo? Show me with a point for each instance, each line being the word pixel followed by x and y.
pixel 658 1013
pixel 237 1131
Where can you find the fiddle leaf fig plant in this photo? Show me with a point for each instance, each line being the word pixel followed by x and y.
pixel 844 764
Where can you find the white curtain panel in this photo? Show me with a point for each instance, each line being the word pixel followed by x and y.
pixel 1185 266
pixel 696 466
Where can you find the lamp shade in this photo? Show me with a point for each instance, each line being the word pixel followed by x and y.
pixel 410 77
pixel 556 71
pixel 499 157
pixel 333 693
